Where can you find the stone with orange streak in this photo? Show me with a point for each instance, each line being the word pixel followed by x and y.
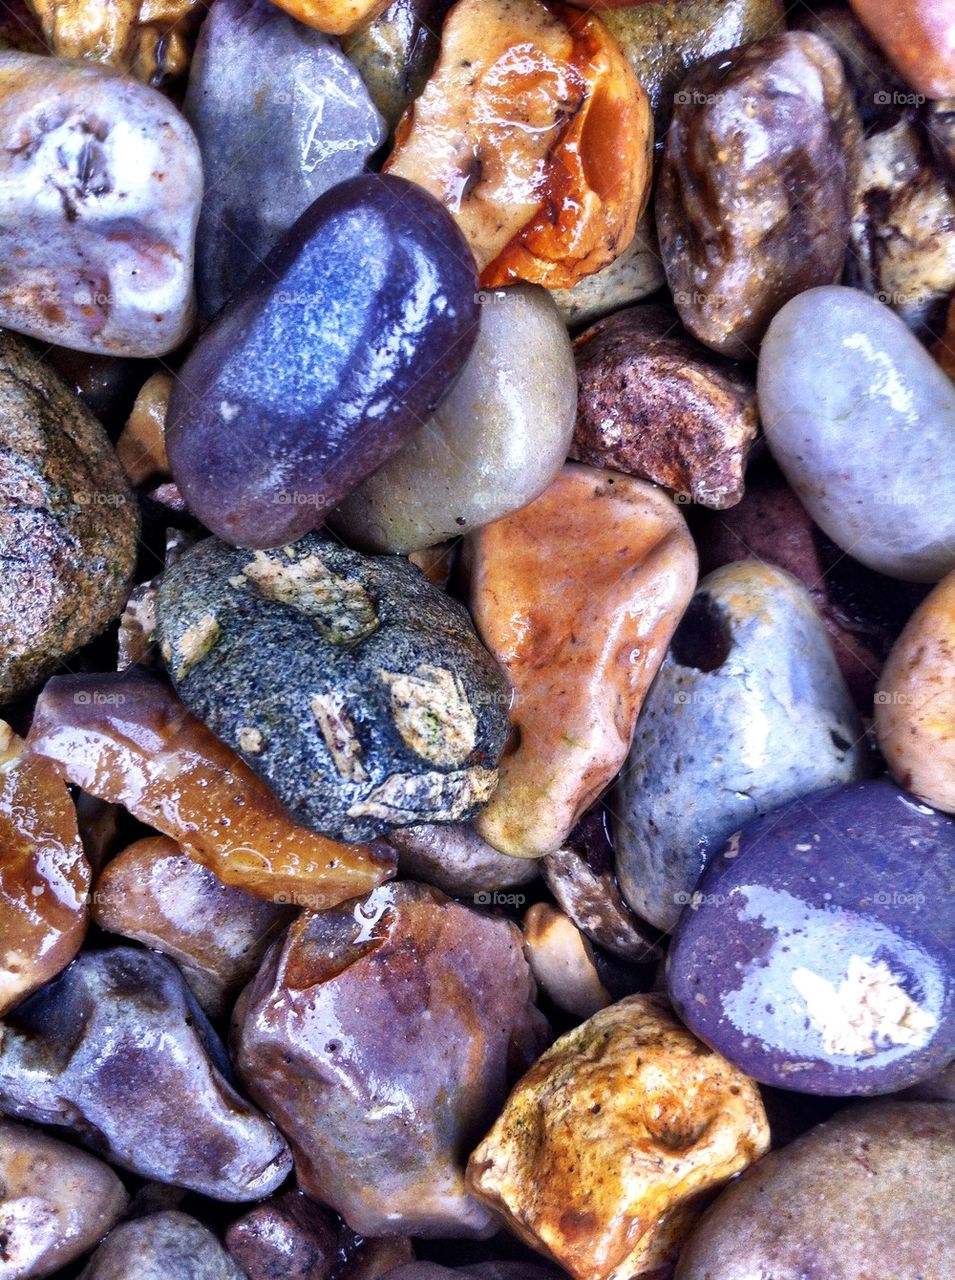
pixel 577 596
pixel 536 135
pixel 605 1152
pixel 918 38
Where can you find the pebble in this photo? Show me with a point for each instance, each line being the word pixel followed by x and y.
pixel 655 404
pixel 100 191
pixel 915 702
pixel 576 596
pixel 748 711
pixel 287 1238
pixel 156 894
pixel 740 238
pixel 44 878
pixel 866 437
pixel 546 171
pixel 379 1122
pixel 562 961
pixel 338 17
pixel 163 1246
pixel 865 1194
pixel 817 953
pixel 55 1202
pixel 68 524
pixel 152 42
pixel 634 274
pixel 452 856
pixel 352 686
pixel 918 36
pixel 128 740
pixel 396 52
pixel 141 448
pixel 902 247
pixel 494 444
pixel 873 81
pixel 105 1049
pixel 353 331
pixel 278 103
pixel 603 1149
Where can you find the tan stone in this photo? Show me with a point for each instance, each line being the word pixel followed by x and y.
pixel 152 41
pixel 337 17
pixel 605 1147
pixel 141 448
pixel 577 596
pixel 562 961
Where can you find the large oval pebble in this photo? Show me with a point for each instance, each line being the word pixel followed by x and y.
pixel 818 954
pixel 865 435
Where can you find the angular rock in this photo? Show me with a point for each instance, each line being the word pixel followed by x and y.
pixel 378 1122
pixel 55 1202
pixel 68 523
pixel 915 701
pixel 496 441
pixel 328 360
pixel 100 188
pixel 879 402
pixel 577 596
pixel 117 1051
pixel 287 1238
pixel 156 894
pixel 452 856
pixel 748 711
pixel 863 1194
pixel 280 115
pixel 740 238
pixel 396 52
pixel 44 879
pixel 655 404
pixel 605 1146
pixel 353 687
pixel 918 36
pixel 635 273
pixel 162 1246
pixel 817 956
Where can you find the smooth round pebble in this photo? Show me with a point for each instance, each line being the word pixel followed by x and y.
pixel 162 1246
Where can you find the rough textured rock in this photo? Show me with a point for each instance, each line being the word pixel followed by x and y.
pixel 748 711
pixel 152 42
pixel 604 1147
pixel 44 878
pixel 55 1202
pixel 68 524
pixel 861 1195
pixel 655 404
pixel 100 194
pixel 353 687
pixel 396 52
pixel 902 247
pixel 378 1123
pixel 918 36
pixel 453 856
pixel 494 443
pixel 157 894
pixel 817 956
pixel 281 115
pixel 742 237
pixel 878 401
pixel 127 739
pixel 636 272
pixel 117 1051
pixel 915 701
pixel 287 1238
pixel 563 593
pixel 536 135
pixel 162 1246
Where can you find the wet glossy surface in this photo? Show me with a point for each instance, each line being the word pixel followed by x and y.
pixel 818 955
pixel 128 739
pixel 332 355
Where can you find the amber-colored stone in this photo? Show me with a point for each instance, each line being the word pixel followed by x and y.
pixel 605 1146
pixel 141 448
pixel 44 875
pixel 918 37
pixel 535 134
pixel 337 17
pixel 577 596
pixel 127 739
pixel 152 41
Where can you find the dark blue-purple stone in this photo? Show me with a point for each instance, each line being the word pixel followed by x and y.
pixel 337 349
pixel 857 880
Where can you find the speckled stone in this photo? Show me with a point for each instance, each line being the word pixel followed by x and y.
pixel 99 198
pixel 55 1202
pixel 162 1246
pixel 281 115
pixel 68 522
pixel 289 1237
pixel 117 1051
pixel 354 687
pixel 748 711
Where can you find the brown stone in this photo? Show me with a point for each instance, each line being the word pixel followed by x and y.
pixel 287 1238
pixel 577 596
pixel 918 37
pixel 141 448
pixel 655 404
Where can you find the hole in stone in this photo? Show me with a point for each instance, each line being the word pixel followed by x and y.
pixel 702 640
pixel 838 741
